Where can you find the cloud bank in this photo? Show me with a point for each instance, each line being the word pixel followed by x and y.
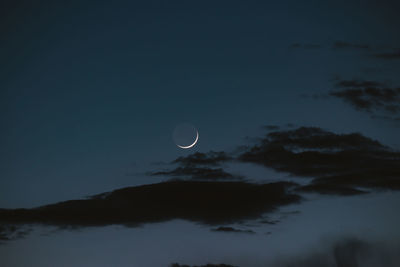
pixel 339 163
pixel 210 203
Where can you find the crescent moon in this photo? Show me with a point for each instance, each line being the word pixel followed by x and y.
pixel 192 145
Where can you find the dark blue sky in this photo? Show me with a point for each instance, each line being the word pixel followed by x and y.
pixel 91 91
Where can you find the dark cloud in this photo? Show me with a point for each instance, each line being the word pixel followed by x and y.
pixel 385 176
pixel 232 230
pixel 272 222
pixel 196 166
pixel 198 173
pixel 211 203
pixel 210 158
pixel 317 138
pixel 369 96
pixel 339 162
pixel 347 45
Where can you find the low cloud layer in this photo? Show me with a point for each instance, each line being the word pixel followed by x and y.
pixel 211 203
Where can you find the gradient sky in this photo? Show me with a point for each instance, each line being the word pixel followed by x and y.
pixel 90 91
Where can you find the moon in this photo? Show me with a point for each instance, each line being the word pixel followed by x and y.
pixel 185 136
pixel 192 145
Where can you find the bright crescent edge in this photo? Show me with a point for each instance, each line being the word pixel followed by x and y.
pixel 195 141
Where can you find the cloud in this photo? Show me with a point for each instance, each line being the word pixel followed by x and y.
pixel 317 138
pixel 198 173
pixel 210 158
pixel 369 96
pixel 211 203
pixel 339 163
pixel 12 232
pixel 232 230
pixel 200 166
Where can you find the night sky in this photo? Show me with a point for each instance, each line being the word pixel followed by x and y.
pixel 297 105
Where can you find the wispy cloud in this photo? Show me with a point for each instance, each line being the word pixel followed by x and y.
pixel 228 229
pixel 210 158
pixel 369 96
pixel 198 173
